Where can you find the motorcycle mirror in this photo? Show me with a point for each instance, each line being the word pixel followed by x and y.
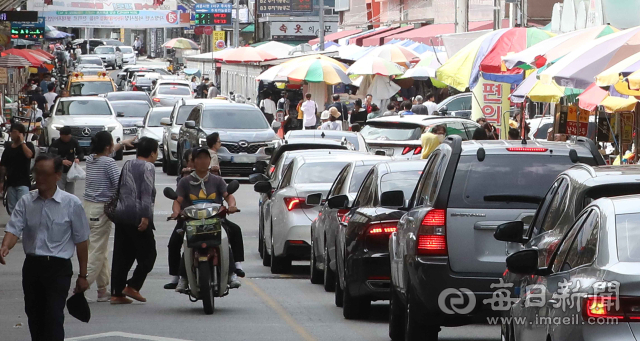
pixel 233 186
pixel 170 193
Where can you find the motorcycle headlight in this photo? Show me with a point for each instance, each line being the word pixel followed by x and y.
pixel 199 213
pixel 111 127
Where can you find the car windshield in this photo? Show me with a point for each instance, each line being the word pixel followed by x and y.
pixel 403 181
pixel 319 172
pixel 129 95
pixel 80 107
pixel 523 180
pixel 183 113
pixel 358 177
pixel 126 49
pixel 234 118
pixel 391 131
pixel 90 61
pixel 104 50
pixel 131 108
pixel 156 115
pixel 179 90
pixel 143 81
pixel 90 88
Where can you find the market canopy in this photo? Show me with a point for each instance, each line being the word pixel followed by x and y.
pixel 335 36
pixel 245 55
pixel 546 90
pixel 276 48
pixel 378 38
pixel 34 58
pixel 375 66
pixel 622 69
pixel 613 104
pixel 395 54
pixel 591 98
pixel 13 61
pixel 430 34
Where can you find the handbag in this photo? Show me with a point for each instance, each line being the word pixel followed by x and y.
pixel 111 206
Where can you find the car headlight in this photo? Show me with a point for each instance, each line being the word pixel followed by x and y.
pixel 203 142
pixel 57 126
pixel 111 127
pixel 174 136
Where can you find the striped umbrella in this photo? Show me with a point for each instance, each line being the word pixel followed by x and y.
pixel 33 58
pixel 181 43
pixel 279 73
pixel 427 66
pixel 315 70
pixel 244 55
pixel 375 66
pixel 11 61
pixel 395 54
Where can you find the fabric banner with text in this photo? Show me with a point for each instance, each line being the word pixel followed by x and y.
pixel 491 100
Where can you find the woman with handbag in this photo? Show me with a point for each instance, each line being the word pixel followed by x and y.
pixel 133 238
pixel 102 176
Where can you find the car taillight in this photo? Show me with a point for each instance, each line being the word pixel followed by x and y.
pixel 527 149
pixel 406 150
pixel 293 203
pixel 341 213
pixel 135 88
pixel 345 218
pixel 385 228
pixel 624 309
pixel 432 240
pixel 417 151
pixel 133 83
pixel 272 169
pixel 156 99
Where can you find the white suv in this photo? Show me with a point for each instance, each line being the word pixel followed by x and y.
pixel 86 116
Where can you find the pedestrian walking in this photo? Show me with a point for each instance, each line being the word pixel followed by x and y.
pixel 431 104
pixel 358 114
pixel 268 107
pixel 102 175
pixel 133 239
pixel 16 165
pixel 50 96
pixel 368 101
pixel 214 144
pixel 310 112
pixel 431 140
pixel 213 91
pixel 375 112
pixel 419 108
pixel 53 226
pixel 194 83
pixel 332 122
pixel 201 90
pixel 69 150
pixel 284 103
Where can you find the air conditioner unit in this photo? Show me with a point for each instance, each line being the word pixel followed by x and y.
pixel 329 11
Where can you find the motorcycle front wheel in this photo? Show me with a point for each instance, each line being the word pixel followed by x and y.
pixel 206 287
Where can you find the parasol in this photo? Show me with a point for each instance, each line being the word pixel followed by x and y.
pixel 13 61
pixel 395 54
pixel 375 66
pixel 427 66
pixel 244 55
pixel 34 58
pixel 181 44
pixel 315 70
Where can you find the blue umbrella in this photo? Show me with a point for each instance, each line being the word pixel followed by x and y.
pixel 192 72
pixel 55 34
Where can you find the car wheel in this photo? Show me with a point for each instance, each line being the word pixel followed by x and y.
pixel 415 328
pixel 260 234
pixel 164 163
pixel 396 317
pixel 114 66
pixel 316 275
pixel 172 167
pixel 328 274
pixel 354 307
pixel 266 259
pixel 281 264
pixel 338 293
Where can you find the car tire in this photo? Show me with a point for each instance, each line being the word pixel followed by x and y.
pixel 396 317
pixel 266 258
pixel 354 307
pixel 328 274
pixel 415 327
pixel 260 234
pixel 316 275
pixel 279 265
pixel 338 293
pixel 164 163
pixel 172 167
pixel 119 155
pixel 114 66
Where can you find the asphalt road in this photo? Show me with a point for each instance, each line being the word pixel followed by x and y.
pixel 266 307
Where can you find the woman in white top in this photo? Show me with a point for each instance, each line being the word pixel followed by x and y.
pixel 193 83
pixel 332 116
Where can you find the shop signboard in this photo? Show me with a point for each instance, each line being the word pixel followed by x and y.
pixel 491 100
pixel 572 121
pixel 213 14
pixel 11 16
pixel 115 19
pixel 28 30
pixel 288 30
pixel 284 6
pixel 219 38
pixel 102 5
pixel 607 127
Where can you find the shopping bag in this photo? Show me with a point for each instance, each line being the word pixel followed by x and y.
pixel 76 173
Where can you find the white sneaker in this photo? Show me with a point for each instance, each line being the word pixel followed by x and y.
pixel 183 284
pixel 104 295
pixel 234 282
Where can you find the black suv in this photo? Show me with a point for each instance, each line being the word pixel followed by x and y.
pixel 444 246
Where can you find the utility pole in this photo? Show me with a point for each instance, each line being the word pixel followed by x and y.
pixel 321 33
pixel 462 16
pixel 255 23
pixel 236 26
pixel 497 22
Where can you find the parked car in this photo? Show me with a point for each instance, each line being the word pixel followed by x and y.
pixel 244 132
pixel 399 136
pixel 446 239
pixel 143 81
pixel 152 128
pixel 287 235
pixel 595 265
pixel 82 43
pixel 355 139
pixel 325 228
pixel 125 76
pixel 89 60
pixel 128 55
pixel 86 116
pixel 572 191
pixel 168 92
pixel 110 55
pixel 456 105
pixel 117 96
pixel 131 114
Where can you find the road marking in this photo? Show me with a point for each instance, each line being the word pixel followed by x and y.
pixel 280 310
pixel 122 334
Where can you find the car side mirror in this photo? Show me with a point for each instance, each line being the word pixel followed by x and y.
pixel 510 232
pixel 190 124
pixel 120 114
pixel 392 199
pixel 338 202
pixel 257 177
pixel 165 121
pixel 523 262
pixel 263 187
pixel 314 199
pixel 444 110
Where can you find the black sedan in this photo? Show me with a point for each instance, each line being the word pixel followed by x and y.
pixel 363 268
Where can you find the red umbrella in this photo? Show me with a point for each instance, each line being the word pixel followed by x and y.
pixel 33 58
pixel 245 55
pixel 43 53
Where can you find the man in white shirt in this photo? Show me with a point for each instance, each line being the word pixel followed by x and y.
pixel 50 96
pixel 268 107
pixel 310 110
pixel 431 104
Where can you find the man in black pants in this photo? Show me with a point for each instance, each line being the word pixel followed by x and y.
pixel 47 270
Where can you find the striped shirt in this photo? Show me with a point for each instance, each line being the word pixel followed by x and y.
pixel 102 178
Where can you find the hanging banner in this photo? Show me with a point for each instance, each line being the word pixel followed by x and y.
pixel 101 5
pixel 491 100
pixel 115 19
pixel 219 38
pixel 572 121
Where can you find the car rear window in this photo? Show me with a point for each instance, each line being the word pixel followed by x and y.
pixel 403 181
pixel 91 61
pixel 319 172
pixel 608 191
pixel 127 96
pixel 391 131
pixel 130 108
pixel 126 49
pixel 358 177
pixel 505 181
pixel 104 50
pixel 234 118
pixel 179 90
pixel 628 237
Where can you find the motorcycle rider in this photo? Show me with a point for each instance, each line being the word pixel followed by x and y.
pixel 202 186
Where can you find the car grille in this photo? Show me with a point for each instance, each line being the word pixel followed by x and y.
pixel 77 131
pixel 229 168
pixel 235 148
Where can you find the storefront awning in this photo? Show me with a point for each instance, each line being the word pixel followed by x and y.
pixel 378 39
pixel 429 34
pixel 335 36
pixel 358 40
pixel 249 29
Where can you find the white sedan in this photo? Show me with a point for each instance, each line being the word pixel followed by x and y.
pixel 152 128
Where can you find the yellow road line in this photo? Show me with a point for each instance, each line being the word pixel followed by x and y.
pixel 280 310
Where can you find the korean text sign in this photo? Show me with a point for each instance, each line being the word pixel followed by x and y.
pixel 491 100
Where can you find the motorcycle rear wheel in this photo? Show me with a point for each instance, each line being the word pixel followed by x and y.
pixel 206 287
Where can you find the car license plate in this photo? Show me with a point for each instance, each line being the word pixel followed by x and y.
pixel 84 143
pixel 243 159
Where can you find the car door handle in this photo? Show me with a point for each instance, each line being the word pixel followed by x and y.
pixel 487 225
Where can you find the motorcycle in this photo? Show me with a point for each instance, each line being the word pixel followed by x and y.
pixel 206 249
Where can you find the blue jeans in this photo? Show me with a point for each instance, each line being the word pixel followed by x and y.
pixel 14 194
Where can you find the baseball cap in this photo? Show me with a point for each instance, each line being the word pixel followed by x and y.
pixel 325 115
pixel 200 150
